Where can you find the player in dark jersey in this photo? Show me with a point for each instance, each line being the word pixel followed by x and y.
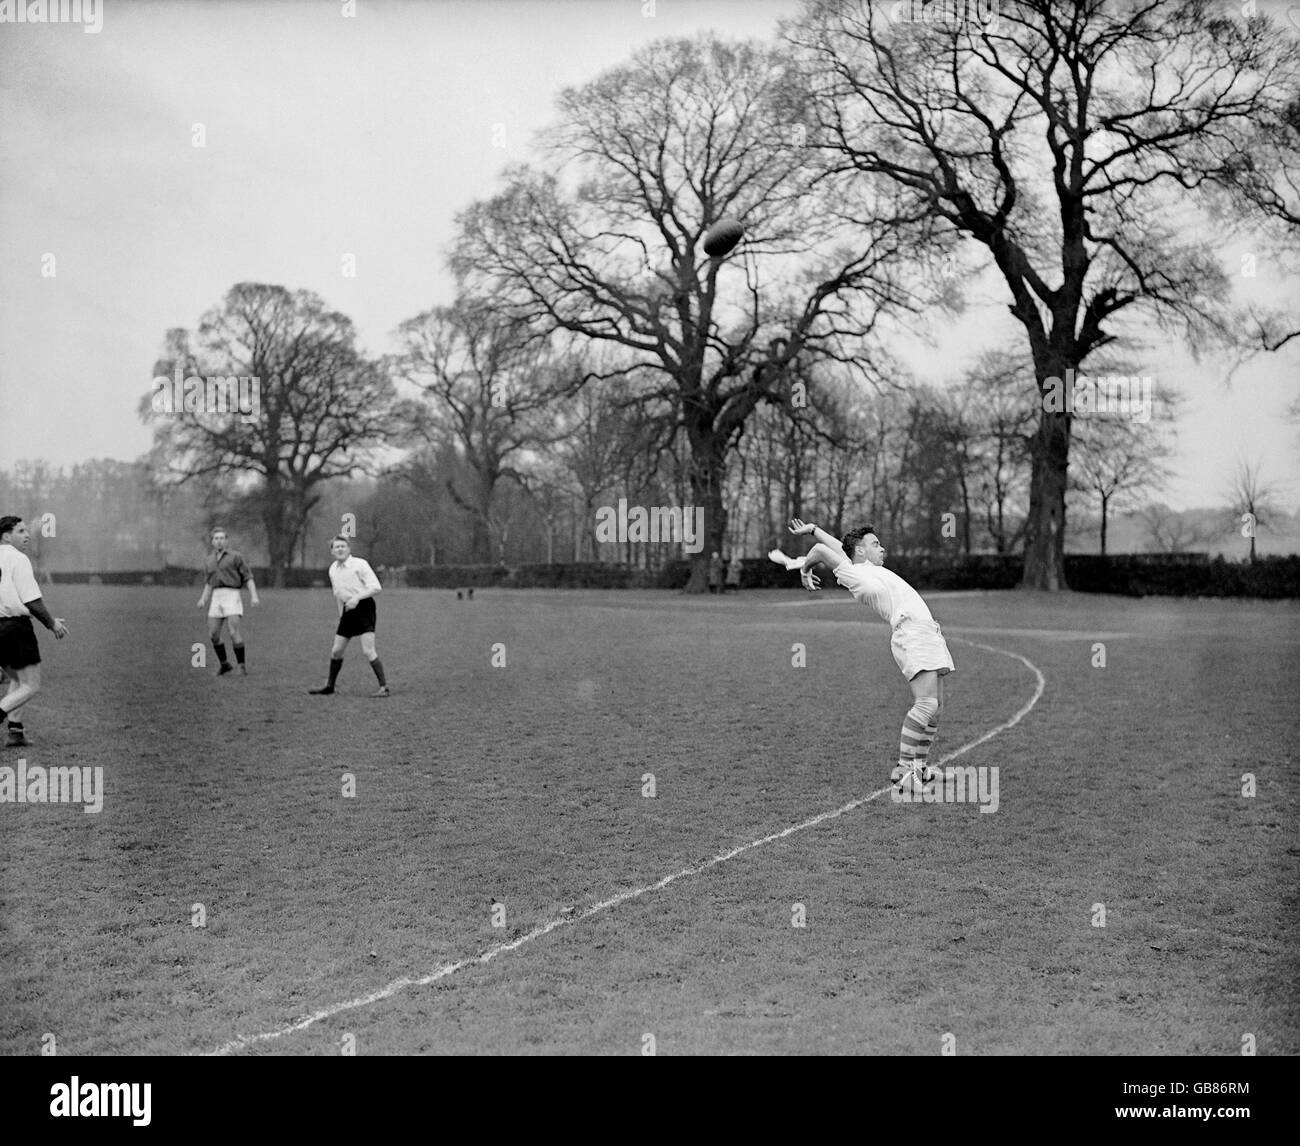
pixel 227 574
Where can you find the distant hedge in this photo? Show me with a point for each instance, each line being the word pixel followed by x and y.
pixel 1182 575
pixel 1132 575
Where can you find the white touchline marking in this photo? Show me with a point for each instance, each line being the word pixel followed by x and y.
pixel 441 972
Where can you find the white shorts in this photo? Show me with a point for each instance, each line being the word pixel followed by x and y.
pixel 226 603
pixel 919 645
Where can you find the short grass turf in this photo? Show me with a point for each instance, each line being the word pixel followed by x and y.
pixel 520 783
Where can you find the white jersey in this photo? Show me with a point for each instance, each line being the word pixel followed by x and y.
pixel 17 582
pixel 351 576
pixel 886 592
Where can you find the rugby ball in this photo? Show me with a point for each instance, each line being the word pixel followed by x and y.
pixel 722 237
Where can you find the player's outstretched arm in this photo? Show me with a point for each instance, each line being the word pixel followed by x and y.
pixel 800 528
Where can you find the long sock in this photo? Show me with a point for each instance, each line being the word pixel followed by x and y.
pixel 239 653
pixel 221 650
pixel 336 665
pixel 917 734
pixel 379 672
pixel 932 730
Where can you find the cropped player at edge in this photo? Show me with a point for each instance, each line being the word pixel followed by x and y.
pixel 355 588
pixel 20 601
pixel 917 642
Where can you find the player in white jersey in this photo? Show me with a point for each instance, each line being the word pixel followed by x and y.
pixel 20 601
pixel 355 588
pixel 921 653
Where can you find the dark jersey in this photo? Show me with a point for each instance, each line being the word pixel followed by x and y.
pixel 227 570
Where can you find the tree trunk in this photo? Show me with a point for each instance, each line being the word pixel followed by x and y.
pixel 1045 527
pixel 707 470
pixel 279 538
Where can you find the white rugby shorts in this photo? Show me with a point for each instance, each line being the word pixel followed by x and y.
pixel 226 603
pixel 919 645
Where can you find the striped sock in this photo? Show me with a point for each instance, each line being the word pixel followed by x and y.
pixel 919 728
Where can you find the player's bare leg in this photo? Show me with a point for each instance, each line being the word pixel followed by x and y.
pixel 24 684
pixel 336 663
pixel 368 647
pixel 237 640
pixel 214 631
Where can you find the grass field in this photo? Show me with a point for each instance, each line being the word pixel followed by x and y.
pixel 521 786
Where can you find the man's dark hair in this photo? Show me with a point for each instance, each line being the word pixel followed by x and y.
pixel 8 522
pixel 849 542
pixel 340 537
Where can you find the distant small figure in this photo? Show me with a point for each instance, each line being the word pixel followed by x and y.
pixel 460 596
pixel 715 573
pixel 734 567
pixel 470 594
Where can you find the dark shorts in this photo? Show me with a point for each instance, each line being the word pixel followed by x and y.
pixel 360 620
pixel 18 648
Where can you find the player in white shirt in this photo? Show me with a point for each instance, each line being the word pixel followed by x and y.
pixel 917 642
pixel 355 588
pixel 20 601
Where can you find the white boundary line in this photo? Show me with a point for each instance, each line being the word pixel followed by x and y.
pixel 446 969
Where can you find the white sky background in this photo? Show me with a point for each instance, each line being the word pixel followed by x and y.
pixel 366 135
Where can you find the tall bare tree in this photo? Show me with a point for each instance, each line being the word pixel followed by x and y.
pixel 483 385
pixel 602 242
pixel 1068 140
pixel 321 409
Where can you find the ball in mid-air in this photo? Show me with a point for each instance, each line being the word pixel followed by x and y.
pixel 722 237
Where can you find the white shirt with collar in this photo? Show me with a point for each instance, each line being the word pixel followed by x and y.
pixel 17 582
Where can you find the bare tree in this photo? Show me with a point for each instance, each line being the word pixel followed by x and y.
pixel 1173 532
pixel 322 408
pixel 1254 503
pixel 603 243
pixel 1115 461
pixel 998 417
pixel 483 387
pixel 1066 139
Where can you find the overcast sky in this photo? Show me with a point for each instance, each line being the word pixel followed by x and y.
pixel 328 135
